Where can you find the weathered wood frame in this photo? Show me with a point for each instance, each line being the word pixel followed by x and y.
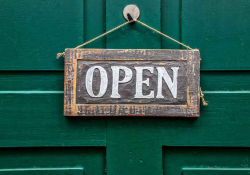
pixel 192 109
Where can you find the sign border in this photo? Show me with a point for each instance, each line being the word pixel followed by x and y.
pixel 192 109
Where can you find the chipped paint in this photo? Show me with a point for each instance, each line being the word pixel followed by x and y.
pixel 191 58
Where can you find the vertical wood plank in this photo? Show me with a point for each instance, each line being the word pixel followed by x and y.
pixel 220 30
pixel 133 145
pixel 133 36
pixel 170 19
pixel 33 32
pixel 94 22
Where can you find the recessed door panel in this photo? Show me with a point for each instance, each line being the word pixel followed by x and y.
pixel 43 171
pixel 56 160
pixel 205 161
pixel 216 171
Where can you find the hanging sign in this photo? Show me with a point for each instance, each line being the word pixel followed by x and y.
pixel 103 82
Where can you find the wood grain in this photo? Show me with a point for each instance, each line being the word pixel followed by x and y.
pixel 221 35
pixel 35 31
pixel 207 160
pixel 34 132
pixel 52 161
pixel 191 109
pixel 35 119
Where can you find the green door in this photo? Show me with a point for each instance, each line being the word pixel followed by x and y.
pixel 35 137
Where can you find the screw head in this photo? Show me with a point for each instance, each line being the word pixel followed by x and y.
pixel 133 10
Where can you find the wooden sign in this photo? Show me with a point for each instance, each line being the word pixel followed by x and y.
pixel 101 82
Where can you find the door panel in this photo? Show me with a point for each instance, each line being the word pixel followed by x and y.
pixel 225 81
pixel 224 122
pixel 35 118
pixel 43 171
pixel 170 23
pixel 217 171
pixel 52 160
pixel 94 22
pixel 219 28
pixel 35 81
pixel 34 31
pixel 205 160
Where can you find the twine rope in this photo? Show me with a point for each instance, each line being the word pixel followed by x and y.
pixel 112 30
pixel 202 98
pixel 163 34
pixel 90 41
pixel 116 28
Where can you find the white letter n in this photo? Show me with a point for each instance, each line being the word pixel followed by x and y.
pixel 172 85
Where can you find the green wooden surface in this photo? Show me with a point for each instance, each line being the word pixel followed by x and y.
pixel 170 23
pixel 42 171
pixel 35 134
pixel 133 36
pixel 219 171
pixel 92 159
pixel 31 81
pixel 219 28
pixel 33 32
pixel 127 149
pixel 225 122
pixel 225 81
pixel 36 119
pixel 179 160
pixel 94 22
